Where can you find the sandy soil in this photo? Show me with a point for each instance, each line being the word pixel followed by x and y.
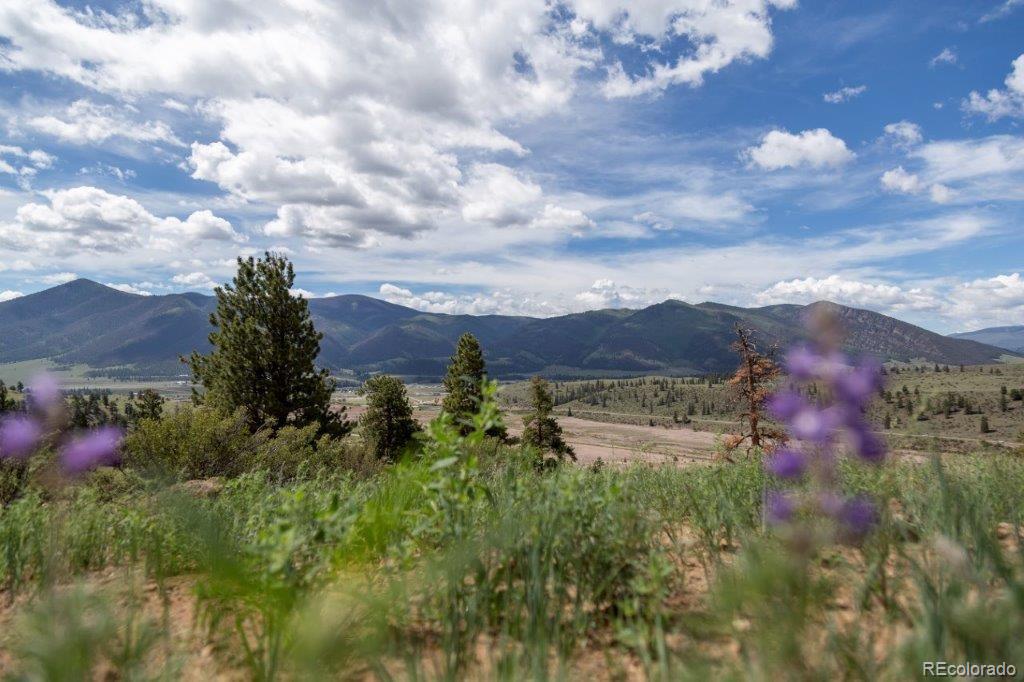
pixel 615 443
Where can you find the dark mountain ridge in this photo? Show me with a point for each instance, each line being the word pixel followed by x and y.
pixel 86 322
pixel 1010 337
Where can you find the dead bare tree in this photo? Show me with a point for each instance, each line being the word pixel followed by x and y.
pixel 754 381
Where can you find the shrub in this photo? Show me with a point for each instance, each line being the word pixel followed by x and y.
pixel 110 484
pixel 193 442
pixel 13 479
pixel 299 453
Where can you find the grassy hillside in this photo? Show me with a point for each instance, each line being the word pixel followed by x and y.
pixel 1010 338
pixel 919 412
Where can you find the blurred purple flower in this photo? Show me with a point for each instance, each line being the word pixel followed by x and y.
pixel 779 508
pixel 787 463
pixel 96 448
pixel 44 391
pixel 812 424
pixel 783 406
pixel 802 363
pixel 857 517
pixel 858 385
pixel 19 436
pixel 867 445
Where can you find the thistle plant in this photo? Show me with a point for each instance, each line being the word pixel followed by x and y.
pixel 822 431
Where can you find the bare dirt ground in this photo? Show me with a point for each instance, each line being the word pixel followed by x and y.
pixel 614 443
pixel 623 443
pixel 608 442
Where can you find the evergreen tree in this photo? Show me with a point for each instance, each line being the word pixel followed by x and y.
pixel 388 423
pixel 264 353
pixel 983 426
pixel 462 384
pixel 542 431
pixel 7 404
pixel 148 404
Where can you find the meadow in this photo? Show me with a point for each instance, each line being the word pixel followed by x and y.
pixel 213 553
pixel 917 420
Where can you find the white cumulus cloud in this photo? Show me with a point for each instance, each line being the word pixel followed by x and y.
pixel 996 103
pixel 720 32
pixel 882 297
pixel 904 133
pixel 92 219
pixel 817 148
pixel 85 122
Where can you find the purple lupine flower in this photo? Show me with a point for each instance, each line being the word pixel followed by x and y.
pixel 857 516
pixel 813 424
pixel 44 392
pixel 832 364
pixel 787 463
pixel 779 508
pixel 783 406
pixel 866 445
pixel 802 363
pixel 19 436
pixel 856 386
pixel 96 448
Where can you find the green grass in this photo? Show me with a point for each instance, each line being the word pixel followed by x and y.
pixel 657 568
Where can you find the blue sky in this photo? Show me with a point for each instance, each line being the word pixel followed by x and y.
pixel 522 156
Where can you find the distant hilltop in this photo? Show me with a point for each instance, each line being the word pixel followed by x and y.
pixel 89 323
pixel 1010 338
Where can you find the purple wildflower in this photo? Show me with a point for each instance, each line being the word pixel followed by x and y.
pixel 856 386
pixel 812 424
pixel 787 463
pixel 857 516
pixel 867 445
pixel 802 363
pixel 44 392
pixel 783 406
pixel 96 448
pixel 779 508
pixel 19 436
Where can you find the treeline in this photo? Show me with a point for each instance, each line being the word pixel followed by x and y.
pixel 260 402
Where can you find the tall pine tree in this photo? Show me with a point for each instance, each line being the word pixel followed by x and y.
pixel 264 352
pixel 542 431
pixel 462 384
pixel 387 423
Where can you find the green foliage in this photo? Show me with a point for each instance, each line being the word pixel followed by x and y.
pixel 542 431
pixel 294 453
pixel 7 401
pixel 387 424
pixel 89 409
pixel 193 442
pixel 68 635
pixel 467 562
pixel 264 353
pixel 466 374
pixel 146 404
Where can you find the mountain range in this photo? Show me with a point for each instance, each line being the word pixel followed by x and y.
pixel 86 322
pixel 1010 338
